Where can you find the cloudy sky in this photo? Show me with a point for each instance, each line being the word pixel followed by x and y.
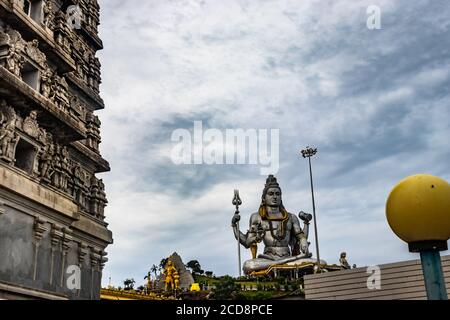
pixel 375 103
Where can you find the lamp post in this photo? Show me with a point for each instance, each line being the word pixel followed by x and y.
pixel 309 153
pixel 418 211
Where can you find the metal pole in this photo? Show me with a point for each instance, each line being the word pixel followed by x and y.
pixel 433 275
pixel 315 218
pixel 237 202
pixel 239 251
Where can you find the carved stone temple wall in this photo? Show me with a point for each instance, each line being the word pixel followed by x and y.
pixel 53 233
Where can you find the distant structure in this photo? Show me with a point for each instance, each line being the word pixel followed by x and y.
pixel 52 230
pixel 185 277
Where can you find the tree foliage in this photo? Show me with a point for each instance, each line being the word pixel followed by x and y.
pixel 129 284
pixel 163 263
pixel 195 267
pixel 225 289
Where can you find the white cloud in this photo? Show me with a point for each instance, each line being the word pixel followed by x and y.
pixel 311 69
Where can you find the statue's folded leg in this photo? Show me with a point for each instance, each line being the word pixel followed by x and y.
pixel 262 264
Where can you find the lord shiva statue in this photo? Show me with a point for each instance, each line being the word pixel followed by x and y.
pixel 285 241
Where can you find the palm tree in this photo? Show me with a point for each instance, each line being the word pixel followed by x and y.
pixel 154 269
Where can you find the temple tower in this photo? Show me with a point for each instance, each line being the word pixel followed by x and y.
pixel 52 230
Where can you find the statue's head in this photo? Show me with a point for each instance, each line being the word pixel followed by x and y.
pixel 272 193
pixel 343 255
pixel 271 197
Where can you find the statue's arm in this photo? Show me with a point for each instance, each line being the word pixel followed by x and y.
pixel 250 237
pixel 299 234
pixel 240 236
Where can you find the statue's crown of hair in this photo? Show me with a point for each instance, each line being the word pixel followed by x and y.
pixel 271 182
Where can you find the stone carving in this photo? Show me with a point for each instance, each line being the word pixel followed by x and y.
pixel 98 198
pixel 39 228
pixel 56 89
pixel 49 14
pixel 8 135
pixel 93 131
pixel 15 61
pixel 46 163
pixel 79 187
pixel 61 168
pixel 32 50
pixel 88 66
pixel 11 124
pixel 96 257
pixel 54 166
pixel 82 252
pixel 46 83
pixel 103 260
pixel 30 125
pixel 56 235
pixel 14 51
pixel 62 33
pixel 59 93
pixel 11 47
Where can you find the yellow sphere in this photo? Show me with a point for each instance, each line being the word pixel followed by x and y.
pixel 418 209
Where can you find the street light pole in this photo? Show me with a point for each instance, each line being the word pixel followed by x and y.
pixel 309 153
pixel 433 275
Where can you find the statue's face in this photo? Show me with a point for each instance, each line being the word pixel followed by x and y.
pixel 273 197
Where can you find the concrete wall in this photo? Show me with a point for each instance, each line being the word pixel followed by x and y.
pixel 30 266
pixel 399 281
pixel 44 273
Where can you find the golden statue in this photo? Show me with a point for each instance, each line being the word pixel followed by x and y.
pixel 176 279
pixel 170 272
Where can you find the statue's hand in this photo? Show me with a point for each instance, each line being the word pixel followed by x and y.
pixel 304 246
pixel 252 237
pixel 235 220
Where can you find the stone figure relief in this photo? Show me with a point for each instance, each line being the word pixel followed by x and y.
pixel 53 165
pixel 15 61
pixel 49 14
pixel 8 136
pixel 46 83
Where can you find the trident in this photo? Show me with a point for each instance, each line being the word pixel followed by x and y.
pixel 237 202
